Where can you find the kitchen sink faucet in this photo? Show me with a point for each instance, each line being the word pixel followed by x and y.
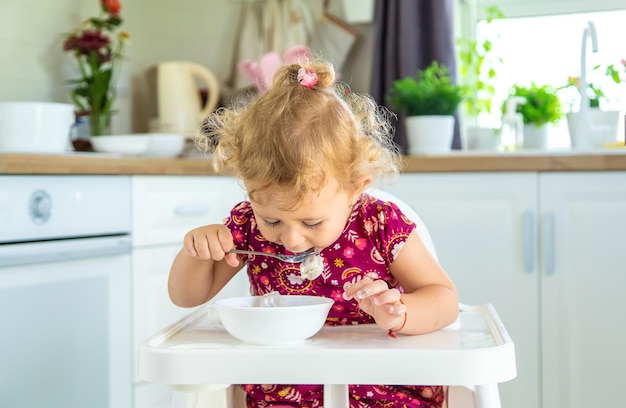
pixel 589 32
pixel 587 129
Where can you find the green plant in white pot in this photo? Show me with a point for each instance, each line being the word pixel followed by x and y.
pixel 596 120
pixel 429 101
pixel 542 108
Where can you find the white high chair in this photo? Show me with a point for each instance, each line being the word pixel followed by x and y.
pixel 182 354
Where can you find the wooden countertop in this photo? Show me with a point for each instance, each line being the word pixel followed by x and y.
pixel 463 161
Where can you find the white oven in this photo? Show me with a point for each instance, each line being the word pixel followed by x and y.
pixel 65 292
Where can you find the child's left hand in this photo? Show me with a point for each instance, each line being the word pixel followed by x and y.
pixel 378 300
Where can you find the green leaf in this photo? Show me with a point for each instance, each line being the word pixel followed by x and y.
pixel 542 104
pixel 431 92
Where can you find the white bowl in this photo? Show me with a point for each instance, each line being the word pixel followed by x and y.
pixel 121 144
pixel 165 145
pixel 300 318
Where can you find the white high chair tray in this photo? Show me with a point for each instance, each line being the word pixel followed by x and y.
pixel 474 351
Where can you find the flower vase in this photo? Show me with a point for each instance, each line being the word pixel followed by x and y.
pixel 99 123
pixel 98 49
pixel 86 126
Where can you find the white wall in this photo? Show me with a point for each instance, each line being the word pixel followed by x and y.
pixel 34 67
pixel 31 35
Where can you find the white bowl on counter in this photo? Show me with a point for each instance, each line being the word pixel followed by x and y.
pixel 121 144
pixel 141 144
pixel 165 145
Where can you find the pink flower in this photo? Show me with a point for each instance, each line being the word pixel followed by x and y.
pixel 338 307
pixel 337 295
pixel 348 253
pixel 237 236
pixel 360 243
pixel 307 77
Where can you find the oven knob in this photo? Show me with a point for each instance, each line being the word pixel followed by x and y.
pixel 40 205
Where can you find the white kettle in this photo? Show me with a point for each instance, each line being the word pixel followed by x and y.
pixel 178 96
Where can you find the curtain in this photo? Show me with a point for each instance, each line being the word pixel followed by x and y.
pixel 410 34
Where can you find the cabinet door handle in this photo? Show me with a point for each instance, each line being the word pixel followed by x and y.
pixel 528 240
pixel 191 210
pixel 548 242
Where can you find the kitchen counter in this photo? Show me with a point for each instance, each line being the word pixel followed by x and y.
pixel 461 161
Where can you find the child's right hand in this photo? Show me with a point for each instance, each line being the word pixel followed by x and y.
pixel 210 242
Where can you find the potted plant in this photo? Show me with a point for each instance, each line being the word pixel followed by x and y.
pixel 477 71
pixel 591 125
pixel 613 75
pixel 429 101
pixel 98 49
pixel 542 107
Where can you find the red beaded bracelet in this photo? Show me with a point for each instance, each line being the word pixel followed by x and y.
pixel 390 333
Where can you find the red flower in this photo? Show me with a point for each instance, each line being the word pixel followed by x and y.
pixel 87 42
pixel 111 6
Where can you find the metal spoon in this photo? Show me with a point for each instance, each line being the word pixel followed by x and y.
pixel 295 258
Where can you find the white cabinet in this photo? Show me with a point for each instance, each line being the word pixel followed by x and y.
pixel 476 222
pixel 167 207
pixel 164 208
pixel 583 280
pixel 545 249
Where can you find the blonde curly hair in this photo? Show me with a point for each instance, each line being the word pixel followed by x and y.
pixel 296 137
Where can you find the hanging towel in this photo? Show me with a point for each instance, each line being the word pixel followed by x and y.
pixel 298 22
pixel 248 44
pixel 332 38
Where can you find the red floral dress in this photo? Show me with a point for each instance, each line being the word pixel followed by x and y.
pixel 371 240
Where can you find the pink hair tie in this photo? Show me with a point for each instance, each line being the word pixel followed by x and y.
pixel 307 77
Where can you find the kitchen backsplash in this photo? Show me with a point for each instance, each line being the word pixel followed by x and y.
pixel 202 31
pixel 31 34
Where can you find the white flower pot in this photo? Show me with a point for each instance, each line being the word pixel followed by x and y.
pixel 429 133
pixel 602 128
pixel 536 137
pixel 479 138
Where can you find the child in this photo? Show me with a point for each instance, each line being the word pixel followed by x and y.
pixel 305 151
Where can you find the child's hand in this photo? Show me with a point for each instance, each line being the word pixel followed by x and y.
pixel 210 242
pixel 376 299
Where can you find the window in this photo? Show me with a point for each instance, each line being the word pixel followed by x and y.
pixel 537 44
